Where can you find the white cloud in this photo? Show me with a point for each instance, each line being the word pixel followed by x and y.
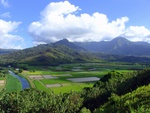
pixel 5 15
pixel 7 39
pixel 138 33
pixel 4 3
pixel 59 20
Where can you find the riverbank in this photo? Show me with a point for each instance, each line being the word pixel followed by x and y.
pixel 22 80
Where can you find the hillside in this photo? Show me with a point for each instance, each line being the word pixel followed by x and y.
pixel 47 54
pixel 118 46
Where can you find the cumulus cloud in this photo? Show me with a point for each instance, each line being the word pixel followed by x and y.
pixel 138 33
pixel 4 3
pixel 59 21
pixel 7 38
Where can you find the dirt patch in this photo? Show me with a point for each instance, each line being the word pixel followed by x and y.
pixel 53 85
pixel 65 84
pixel 36 77
pixel 85 79
pixel 64 75
pixel 49 77
pixel 2 81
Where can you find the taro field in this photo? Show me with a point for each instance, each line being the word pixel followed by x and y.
pixel 73 77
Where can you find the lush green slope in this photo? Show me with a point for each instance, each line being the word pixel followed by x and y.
pixel 137 101
pixel 48 54
pixel 117 83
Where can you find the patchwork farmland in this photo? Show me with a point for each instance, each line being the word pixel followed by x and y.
pixel 70 77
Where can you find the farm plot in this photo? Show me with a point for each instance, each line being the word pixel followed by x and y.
pixel 36 77
pixel 53 85
pixel 63 75
pixel 85 79
pixel 62 81
pixel 2 82
pixel 49 77
pixel 54 81
pixel 70 87
pixel 39 85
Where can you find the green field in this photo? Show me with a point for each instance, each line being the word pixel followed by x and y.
pixel 40 86
pixel 70 87
pixel 78 70
pixel 54 81
pixel 65 71
pixel 12 84
pixel 2 78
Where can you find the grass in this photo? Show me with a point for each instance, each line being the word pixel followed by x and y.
pixel 40 86
pixel 54 81
pixel 89 73
pixel 39 72
pixel 70 87
pixel 12 84
pixel 2 78
pixel 67 86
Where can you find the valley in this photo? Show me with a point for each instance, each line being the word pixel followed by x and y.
pixel 68 77
pixel 74 56
pixel 78 79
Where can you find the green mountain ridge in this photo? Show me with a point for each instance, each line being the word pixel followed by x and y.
pixel 63 52
pixel 46 54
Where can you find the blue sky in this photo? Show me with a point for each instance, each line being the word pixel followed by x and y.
pixel 26 23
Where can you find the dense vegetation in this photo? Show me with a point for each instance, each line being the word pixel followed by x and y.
pixel 48 54
pixel 115 92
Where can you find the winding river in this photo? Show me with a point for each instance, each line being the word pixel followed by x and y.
pixel 24 82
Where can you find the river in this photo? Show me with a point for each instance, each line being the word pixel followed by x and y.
pixel 24 82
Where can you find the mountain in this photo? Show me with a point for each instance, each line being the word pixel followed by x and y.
pixel 46 54
pixel 118 46
pixel 64 51
pixel 70 45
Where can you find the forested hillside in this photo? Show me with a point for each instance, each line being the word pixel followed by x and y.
pixel 47 54
pixel 115 92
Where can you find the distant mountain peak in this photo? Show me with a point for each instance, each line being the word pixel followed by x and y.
pixel 69 44
pixel 63 40
pixel 121 39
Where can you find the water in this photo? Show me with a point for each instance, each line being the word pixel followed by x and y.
pixel 23 81
pixel 85 79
